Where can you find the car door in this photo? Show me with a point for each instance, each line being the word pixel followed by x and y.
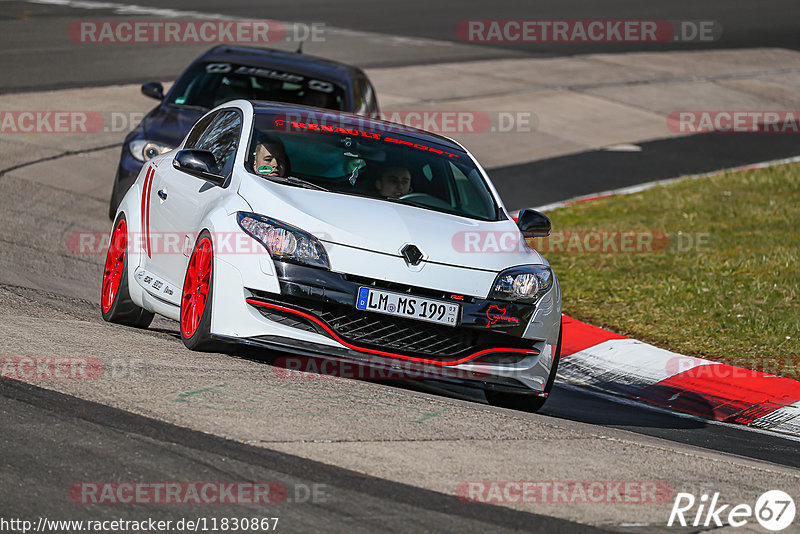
pixel 179 200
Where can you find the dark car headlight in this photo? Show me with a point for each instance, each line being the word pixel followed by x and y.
pixel 145 150
pixel 527 283
pixel 284 242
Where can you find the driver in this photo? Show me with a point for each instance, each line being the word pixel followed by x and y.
pixel 267 160
pixel 394 182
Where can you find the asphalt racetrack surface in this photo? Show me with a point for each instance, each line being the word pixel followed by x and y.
pixel 93 438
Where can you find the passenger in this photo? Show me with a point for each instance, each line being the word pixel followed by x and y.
pixel 394 182
pixel 268 160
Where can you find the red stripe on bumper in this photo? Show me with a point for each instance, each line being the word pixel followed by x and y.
pixel 334 335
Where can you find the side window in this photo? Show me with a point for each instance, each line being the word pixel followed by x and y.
pixel 359 100
pixel 198 130
pixel 221 139
pixel 371 101
pixel 472 199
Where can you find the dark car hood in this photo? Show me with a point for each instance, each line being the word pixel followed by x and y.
pixel 168 124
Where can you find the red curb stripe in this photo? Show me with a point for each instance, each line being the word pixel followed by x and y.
pixel 753 413
pixel 579 336
pixel 713 391
pixel 723 393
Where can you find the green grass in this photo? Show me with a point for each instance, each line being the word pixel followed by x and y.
pixel 735 299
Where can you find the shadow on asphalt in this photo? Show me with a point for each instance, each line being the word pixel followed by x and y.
pixel 570 403
pixel 564 403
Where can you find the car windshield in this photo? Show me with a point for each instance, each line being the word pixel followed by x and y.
pixel 368 160
pixel 207 85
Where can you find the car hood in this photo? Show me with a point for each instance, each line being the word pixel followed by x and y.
pixel 169 125
pixel 387 227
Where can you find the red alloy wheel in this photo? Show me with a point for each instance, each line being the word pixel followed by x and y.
pixel 196 287
pixel 115 264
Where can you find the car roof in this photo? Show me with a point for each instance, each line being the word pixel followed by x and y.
pixel 352 120
pixel 294 62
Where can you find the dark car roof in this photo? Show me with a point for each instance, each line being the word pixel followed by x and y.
pixel 354 121
pixel 294 62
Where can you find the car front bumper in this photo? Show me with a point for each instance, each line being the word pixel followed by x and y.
pixel 311 313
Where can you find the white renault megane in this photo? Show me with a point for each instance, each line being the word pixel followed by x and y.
pixel 334 236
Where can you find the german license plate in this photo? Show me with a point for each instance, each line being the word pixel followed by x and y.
pixel 405 305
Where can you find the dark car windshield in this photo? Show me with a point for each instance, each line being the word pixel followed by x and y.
pixel 207 85
pixel 366 161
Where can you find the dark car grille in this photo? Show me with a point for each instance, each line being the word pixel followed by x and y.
pixel 288 319
pixel 396 334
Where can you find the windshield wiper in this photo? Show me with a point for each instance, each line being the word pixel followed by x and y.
pixel 411 203
pixel 425 206
pixel 297 182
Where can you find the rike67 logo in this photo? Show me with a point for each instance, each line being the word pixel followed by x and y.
pixel 774 510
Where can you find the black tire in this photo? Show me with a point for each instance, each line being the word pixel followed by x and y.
pixel 113 203
pixel 123 310
pixel 200 339
pixel 528 403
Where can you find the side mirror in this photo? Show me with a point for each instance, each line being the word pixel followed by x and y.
pixel 153 90
pixel 533 224
pixel 199 163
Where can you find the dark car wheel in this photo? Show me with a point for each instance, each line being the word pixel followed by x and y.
pixel 113 204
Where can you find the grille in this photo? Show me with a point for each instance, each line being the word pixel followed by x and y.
pixel 287 319
pixel 395 334
pixel 409 336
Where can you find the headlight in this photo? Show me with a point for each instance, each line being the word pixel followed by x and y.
pixel 527 283
pixel 145 150
pixel 284 242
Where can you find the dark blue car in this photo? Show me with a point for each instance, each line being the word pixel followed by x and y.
pixel 229 72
